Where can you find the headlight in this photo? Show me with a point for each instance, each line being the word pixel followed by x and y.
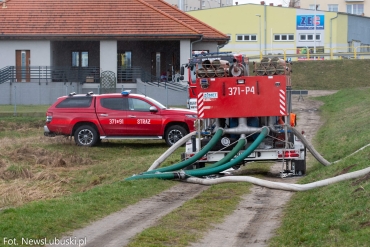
pixel 191 116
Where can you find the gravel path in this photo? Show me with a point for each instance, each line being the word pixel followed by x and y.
pixel 252 224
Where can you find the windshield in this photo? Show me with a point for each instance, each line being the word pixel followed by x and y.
pixel 156 103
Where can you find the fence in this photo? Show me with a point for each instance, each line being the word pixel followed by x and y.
pixel 41 74
pixel 358 52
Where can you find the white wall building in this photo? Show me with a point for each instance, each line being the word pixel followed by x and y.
pixel 360 7
pixel 189 5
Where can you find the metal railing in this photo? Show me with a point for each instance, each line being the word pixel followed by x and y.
pixel 49 74
pixel 151 80
pixel 5 74
pixel 42 74
pixel 128 74
pixel 347 52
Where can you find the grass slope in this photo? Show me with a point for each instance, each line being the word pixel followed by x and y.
pixel 49 187
pixel 339 214
pixel 330 75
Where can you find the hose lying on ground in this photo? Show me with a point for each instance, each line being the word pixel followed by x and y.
pixel 316 154
pixel 172 174
pixel 193 159
pixel 169 151
pixel 277 185
pixel 310 147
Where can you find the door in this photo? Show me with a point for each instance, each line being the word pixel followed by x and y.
pixel 124 65
pixel 111 113
pixel 158 66
pixel 22 63
pixel 140 121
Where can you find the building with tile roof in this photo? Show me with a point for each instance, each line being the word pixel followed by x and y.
pixel 76 40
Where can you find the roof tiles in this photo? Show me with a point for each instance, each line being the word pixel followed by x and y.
pixel 120 19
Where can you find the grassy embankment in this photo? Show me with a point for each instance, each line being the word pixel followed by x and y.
pixel 49 187
pixel 339 214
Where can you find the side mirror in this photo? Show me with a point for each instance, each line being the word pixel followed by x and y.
pixel 153 109
pixel 181 77
pixel 182 71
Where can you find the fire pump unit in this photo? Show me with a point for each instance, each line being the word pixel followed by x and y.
pixel 227 97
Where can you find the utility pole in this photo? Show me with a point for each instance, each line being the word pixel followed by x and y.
pixel 260 33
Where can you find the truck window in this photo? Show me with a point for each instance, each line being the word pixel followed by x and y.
pixel 117 104
pixel 138 105
pixel 75 102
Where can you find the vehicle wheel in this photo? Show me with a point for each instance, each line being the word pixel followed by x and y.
pixel 86 135
pixel 173 134
pixel 300 167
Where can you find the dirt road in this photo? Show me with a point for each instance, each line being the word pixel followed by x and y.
pixel 252 224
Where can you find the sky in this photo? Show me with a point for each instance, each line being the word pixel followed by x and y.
pixel 267 2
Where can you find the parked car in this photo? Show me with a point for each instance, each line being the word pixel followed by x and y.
pixel 91 118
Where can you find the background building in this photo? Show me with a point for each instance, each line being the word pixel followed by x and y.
pixel 189 5
pixel 256 30
pixel 48 48
pixel 351 7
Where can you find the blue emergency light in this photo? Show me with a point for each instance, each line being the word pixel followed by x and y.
pixel 126 92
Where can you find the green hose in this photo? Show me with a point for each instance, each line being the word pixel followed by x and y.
pixel 229 156
pixel 208 171
pixel 237 160
pixel 165 175
pixel 193 159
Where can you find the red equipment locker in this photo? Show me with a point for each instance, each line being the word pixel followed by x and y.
pixel 246 96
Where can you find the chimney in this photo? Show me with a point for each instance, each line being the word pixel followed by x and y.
pixel 271 4
pixel 4 4
pixel 262 2
pixel 280 5
pixel 236 3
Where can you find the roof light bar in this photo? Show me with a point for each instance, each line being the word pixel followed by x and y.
pixel 126 92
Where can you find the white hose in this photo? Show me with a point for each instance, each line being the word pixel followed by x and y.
pixel 316 154
pixel 310 147
pixel 169 151
pixel 277 185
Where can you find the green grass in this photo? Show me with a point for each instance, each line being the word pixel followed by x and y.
pixel 339 214
pixel 47 218
pixel 192 220
pixel 23 108
pixel 188 222
pixel 49 186
pixel 330 75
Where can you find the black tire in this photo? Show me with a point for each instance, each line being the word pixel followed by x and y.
pixel 174 133
pixel 300 167
pixel 86 135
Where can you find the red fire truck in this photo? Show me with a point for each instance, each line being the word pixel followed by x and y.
pixel 226 96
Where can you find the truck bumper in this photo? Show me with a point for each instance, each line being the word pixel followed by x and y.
pixel 47 132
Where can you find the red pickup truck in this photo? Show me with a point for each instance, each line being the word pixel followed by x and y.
pixel 91 118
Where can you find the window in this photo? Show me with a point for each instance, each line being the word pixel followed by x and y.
pixel 356 9
pixel 138 105
pixel 283 37
pixel 113 103
pixel 228 35
pixel 124 59
pixel 80 59
pixel 309 37
pixel 246 37
pixel 333 7
pixel 75 102
pixel 312 6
